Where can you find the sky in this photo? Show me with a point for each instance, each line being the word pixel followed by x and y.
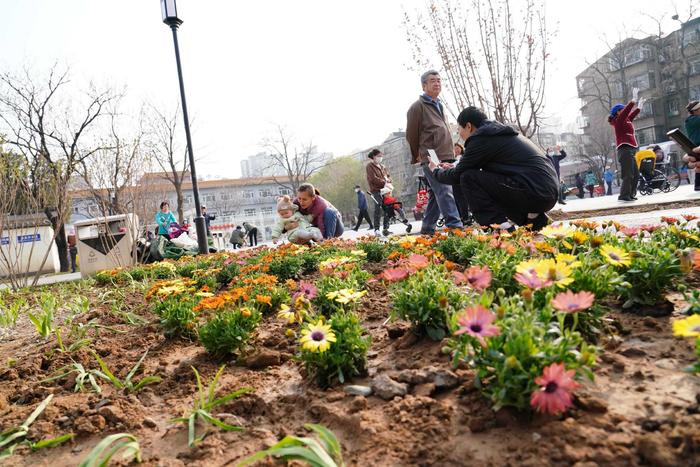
pixel 334 72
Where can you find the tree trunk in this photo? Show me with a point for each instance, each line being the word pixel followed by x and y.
pixel 61 243
pixel 180 202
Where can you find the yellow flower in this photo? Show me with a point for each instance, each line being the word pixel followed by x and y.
pixel 568 259
pixel 558 273
pixel 688 327
pixel 245 312
pixel 579 237
pixel 527 266
pixel 345 295
pixel 597 240
pixel 615 256
pixel 360 253
pixel 317 337
pixel 558 231
pixel 286 313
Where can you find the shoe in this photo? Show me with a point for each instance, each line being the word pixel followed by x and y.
pixel 409 227
pixel 539 222
pixel 468 221
pixel 377 233
pixel 562 202
pixel 386 232
pixel 355 230
pixel 624 198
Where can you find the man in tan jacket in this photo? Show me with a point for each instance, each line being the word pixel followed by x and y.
pixel 426 129
pixel 378 178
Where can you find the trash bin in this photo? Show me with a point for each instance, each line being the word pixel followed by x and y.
pixel 106 242
pixel 24 241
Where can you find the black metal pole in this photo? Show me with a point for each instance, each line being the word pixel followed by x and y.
pixel 198 220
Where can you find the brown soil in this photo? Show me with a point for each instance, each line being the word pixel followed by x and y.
pixel 559 215
pixel 641 410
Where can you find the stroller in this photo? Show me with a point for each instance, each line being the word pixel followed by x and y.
pixel 391 207
pixel 651 179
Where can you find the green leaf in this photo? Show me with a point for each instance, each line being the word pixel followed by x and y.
pixel 102 453
pixel 106 374
pixel 216 422
pixel 328 438
pixel 147 380
pixel 228 397
pixel 46 443
pixel 135 368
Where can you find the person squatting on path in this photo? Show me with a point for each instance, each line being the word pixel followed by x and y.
pixel 297 226
pixel 362 207
pixel 692 130
pixel 621 117
pixel 379 183
pixel 237 237
pixel 252 232
pixel 324 216
pixel 506 179
pixel 426 128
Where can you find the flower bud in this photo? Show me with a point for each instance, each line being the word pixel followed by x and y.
pixel 527 294
pixel 511 362
pixel 501 292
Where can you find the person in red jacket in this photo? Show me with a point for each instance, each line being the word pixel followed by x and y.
pixel 621 117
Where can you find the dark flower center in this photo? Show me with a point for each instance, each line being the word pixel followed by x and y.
pixel 317 336
pixel 551 387
pixel 614 256
pixel 475 328
pixel 471 279
pixel 573 306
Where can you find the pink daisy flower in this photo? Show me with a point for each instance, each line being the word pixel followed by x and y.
pixel 307 290
pixel 532 281
pixel 476 321
pixel 571 302
pixel 417 261
pixel 394 274
pixel 554 393
pixel 478 277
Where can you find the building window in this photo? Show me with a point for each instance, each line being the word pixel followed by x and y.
pixel 673 108
pixel 249 212
pixel 694 93
pixel 641 82
pixel 248 195
pixel 225 196
pixel 188 200
pixel 637 54
pixel 647 109
pixel 616 89
pixel 283 191
pixel 209 198
pixel 266 211
pixel 695 66
pixel 265 192
pixel 645 136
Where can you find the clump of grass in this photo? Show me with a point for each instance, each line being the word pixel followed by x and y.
pixel 128 384
pixel 109 446
pixel 204 403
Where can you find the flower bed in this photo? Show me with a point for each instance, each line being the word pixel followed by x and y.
pixel 465 332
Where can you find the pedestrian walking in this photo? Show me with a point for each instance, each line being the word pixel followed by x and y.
pixel 362 207
pixel 72 250
pixel 506 179
pixel 590 182
pixel 621 118
pixel 555 156
pixel 692 130
pixel 427 129
pixel 207 220
pixel 608 176
pixel 252 232
pixel 380 184
pixel 579 186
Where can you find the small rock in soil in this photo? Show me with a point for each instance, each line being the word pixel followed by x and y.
pixel 263 359
pixel 358 390
pixel 396 330
pixel 613 343
pixel 425 389
pixel 633 352
pixel 112 413
pixel 387 388
pixel 536 437
pixel 149 422
pixel 619 366
pixel 651 425
pixel 407 340
pixel 358 404
pixel 667 364
pixel 412 376
pixel 334 396
pixel 444 379
pixel 479 424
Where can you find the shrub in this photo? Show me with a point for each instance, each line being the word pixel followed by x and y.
pixel 227 273
pixel 228 331
pixel 426 299
pixel 162 270
pixel 177 316
pixel 287 267
pixel 334 350
pixel 354 279
pixel 376 251
pixel 652 272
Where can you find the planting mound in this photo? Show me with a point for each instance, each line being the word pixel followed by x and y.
pixel 349 336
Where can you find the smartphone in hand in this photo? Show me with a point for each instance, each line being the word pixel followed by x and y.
pixel 433 157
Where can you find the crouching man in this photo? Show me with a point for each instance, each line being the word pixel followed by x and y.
pixel 504 177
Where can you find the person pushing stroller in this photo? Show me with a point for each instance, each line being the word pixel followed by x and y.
pixel 380 185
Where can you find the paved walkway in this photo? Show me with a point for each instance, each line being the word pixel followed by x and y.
pixel 601 204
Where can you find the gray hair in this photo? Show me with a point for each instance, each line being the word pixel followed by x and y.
pixel 424 76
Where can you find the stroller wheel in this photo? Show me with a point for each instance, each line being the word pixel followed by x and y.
pixel 440 222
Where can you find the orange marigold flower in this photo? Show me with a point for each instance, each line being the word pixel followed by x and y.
pixel 266 299
pixel 449 265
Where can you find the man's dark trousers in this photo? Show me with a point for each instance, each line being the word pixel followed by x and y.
pixel 364 214
pixel 630 172
pixel 495 198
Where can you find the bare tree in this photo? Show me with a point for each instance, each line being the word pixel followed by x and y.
pixel 298 161
pixel 491 55
pixel 53 132
pixel 169 152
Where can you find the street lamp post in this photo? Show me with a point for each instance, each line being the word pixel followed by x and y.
pixel 169 11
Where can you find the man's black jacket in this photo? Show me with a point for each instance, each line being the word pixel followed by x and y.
pixel 497 148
